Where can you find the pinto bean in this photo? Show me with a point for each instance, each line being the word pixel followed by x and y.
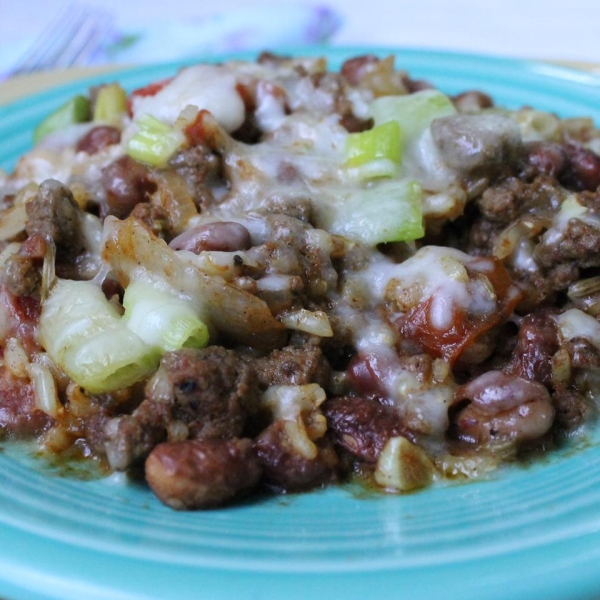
pixel 201 473
pixel 126 183
pixel 362 426
pixel 98 138
pixel 225 236
pixel 503 410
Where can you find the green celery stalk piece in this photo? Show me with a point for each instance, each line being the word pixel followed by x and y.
pixel 84 335
pixel 113 358
pixel 76 110
pixel 155 142
pixel 383 142
pixel 162 319
pixel 386 211
pixel 413 112
pixel 111 103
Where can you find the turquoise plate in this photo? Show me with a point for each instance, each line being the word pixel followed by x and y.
pixel 523 533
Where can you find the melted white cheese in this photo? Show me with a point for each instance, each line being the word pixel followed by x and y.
pixel 575 323
pixel 208 87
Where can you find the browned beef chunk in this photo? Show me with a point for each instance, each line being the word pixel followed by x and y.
pixel 580 242
pixel 201 168
pixel 536 345
pixel 54 215
pixel 131 437
pixel 362 426
pixel 211 389
pixel 202 473
pixel 572 408
pixel 293 366
pixel 286 468
pixel 199 394
pixel 154 217
pixel 293 248
pixel 126 183
pixel 297 208
pixel 22 271
pixel 513 198
pixel 19 416
pixel 21 276
pixel 583 354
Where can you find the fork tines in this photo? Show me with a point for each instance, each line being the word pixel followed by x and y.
pixel 69 39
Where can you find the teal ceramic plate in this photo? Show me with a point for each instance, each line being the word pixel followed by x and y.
pixel 524 533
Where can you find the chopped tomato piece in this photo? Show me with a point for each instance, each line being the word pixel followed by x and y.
pixel 466 328
pixel 149 90
pixel 196 130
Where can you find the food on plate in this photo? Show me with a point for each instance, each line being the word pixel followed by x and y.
pixel 273 276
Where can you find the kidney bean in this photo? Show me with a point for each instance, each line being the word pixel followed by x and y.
pixel 546 158
pixel 286 468
pixel 98 138
pixel 504 410
pixel 367 373
pixel 583 171
pixel 126 183
pixel 225 236
pixel 201 473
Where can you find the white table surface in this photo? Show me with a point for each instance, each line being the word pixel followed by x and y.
pixel 527 28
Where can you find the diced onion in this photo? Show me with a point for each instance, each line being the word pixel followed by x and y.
pixel 297 406
pixel 402 466
pixel 44 387
pixel 12 222
pixel 15 358
pixel 313 322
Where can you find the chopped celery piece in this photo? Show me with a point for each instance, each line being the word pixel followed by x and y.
pixel 83 334
pixel 155 142
pixel 413 112
pixel 162 319
pixel 113 358
pixel 388 211
pixel 111 103
pixel 376 152
pixel 76 110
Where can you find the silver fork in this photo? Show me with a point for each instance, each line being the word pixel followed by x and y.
pixel 69 39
